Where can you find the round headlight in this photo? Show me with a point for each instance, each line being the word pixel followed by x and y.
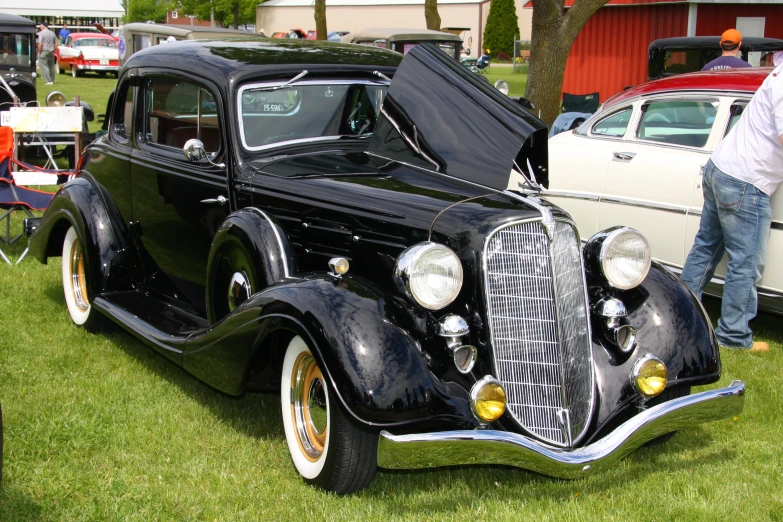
pixel 625 258
pixel 649 376
pixel 502 86
pixel 488 399
pixel 55 99
pixel 429 273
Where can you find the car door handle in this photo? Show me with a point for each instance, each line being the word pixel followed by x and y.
pixel 623 156
pixel 220 200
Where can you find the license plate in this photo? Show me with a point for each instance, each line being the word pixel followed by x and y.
pixel 104 62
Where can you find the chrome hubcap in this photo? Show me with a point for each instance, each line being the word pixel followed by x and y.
pixel 238 290
pixel 308 403
pixel 78 278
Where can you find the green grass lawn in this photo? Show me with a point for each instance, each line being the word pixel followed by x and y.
pixel 91 88
pixel 101 428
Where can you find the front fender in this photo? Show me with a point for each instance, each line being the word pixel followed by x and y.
pixel 375 367
pixel 81 204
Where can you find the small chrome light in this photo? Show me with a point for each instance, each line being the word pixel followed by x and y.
pixel 339 265
pixel 453 325
pixel 488 399
pixel 464 358
pixel 649 376
pixel 55 99
pixel 625 338
pixel 611 308
pixel 502 86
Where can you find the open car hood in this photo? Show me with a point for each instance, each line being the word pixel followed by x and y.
pixel 440 116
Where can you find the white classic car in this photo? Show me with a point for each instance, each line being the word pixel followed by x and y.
pixel 84 52
pixel 638 161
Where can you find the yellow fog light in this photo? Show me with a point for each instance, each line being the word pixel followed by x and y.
pixel 488 399
pixel 649 376
pixel 339 265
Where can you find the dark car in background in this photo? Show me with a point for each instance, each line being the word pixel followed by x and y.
pixel 17 59
pixel 305 218
pixel 403 40
pixel 670 56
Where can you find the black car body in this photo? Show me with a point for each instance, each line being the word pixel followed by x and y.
pixel 670 56
pixel 17 59
pixel 304 241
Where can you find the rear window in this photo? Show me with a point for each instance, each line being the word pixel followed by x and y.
pixel 678 122
pixel 308 111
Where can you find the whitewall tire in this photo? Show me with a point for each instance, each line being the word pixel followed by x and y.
pixel 74 269
pixel 327 449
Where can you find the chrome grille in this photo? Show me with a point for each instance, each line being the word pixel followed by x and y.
pixel 539 328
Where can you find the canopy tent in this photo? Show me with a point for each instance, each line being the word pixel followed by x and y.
pixel 82 8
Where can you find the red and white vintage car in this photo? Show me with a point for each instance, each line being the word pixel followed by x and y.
pixel 638 161
pixel 84 52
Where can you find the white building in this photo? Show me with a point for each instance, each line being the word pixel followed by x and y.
pixel 352 15
pixel 78 14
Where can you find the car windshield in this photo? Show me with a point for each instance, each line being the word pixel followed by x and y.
pixel 15 50
pixel 308 111
pixel 94 42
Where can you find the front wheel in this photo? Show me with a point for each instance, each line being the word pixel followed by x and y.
pixel 57 68
pixel 327 448
pixel 74 268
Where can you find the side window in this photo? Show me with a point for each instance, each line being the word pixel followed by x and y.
pixel 613 125
pixel 178 110
pixel 678 122
pixel 69 42
pixel 122 117
pixel 737 109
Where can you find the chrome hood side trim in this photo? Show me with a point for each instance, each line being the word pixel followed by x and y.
pixel 449 448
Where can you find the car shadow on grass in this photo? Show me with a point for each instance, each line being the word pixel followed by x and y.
pixel 15 505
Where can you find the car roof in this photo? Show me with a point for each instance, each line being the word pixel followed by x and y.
pixel 746 79
pixel 10 19
pixel 231 58
pixel 382 33
pixel 749 43
pixel 181 30
pixel 91 35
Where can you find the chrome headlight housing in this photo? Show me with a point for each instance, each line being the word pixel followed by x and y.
pixel 624 258
pixel 430 274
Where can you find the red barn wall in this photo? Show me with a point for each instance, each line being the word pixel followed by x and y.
pixel 610 52
pixel 713 19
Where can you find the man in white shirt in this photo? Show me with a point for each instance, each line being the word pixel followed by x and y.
pixel 743 172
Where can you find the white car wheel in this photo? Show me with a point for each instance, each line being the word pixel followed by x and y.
pixel 75 278
pixel 327 448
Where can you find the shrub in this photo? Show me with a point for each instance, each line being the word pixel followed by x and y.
pixel 503 56
pixel 502 28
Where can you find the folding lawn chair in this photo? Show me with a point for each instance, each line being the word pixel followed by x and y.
pixel 580 102
pixel 13 197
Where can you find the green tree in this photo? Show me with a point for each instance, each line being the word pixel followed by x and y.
pixel 431 16
pixel 144 10
pixel 554 31
pixel 502 27
pixel 231 13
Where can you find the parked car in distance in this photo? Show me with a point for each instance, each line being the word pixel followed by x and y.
pixel 17 59
pixel 639 161
pixel 305 218
pixel 137 36
pixel 87 52
pixel 670 56
pixel 403 40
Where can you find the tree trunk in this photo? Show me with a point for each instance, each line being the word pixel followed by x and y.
pixel 236 14
pixel 431 14
pixel 553 35
pixel 320 20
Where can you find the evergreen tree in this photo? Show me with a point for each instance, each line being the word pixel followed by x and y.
pixel 502 27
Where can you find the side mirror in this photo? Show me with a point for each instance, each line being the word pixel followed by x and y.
pixel 194 150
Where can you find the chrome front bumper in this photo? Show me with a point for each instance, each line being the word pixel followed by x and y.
pixel 448 448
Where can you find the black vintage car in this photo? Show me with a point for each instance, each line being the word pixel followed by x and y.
pixel 17 59
pixel 365 237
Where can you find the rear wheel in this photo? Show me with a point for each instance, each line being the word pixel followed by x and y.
pixel 77 299
pixel 327 448
pixel 74 72
pixel 57 68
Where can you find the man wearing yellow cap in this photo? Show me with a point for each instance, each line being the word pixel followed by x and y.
pixel 730 43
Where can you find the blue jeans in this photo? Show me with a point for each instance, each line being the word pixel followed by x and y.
pixel 735 219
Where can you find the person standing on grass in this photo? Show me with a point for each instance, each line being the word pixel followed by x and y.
pixel 46 44
pixel 730 43
pixel 739 178
pixel 63 34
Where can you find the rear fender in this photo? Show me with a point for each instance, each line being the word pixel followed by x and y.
pixel 81 204
pixel 376 368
